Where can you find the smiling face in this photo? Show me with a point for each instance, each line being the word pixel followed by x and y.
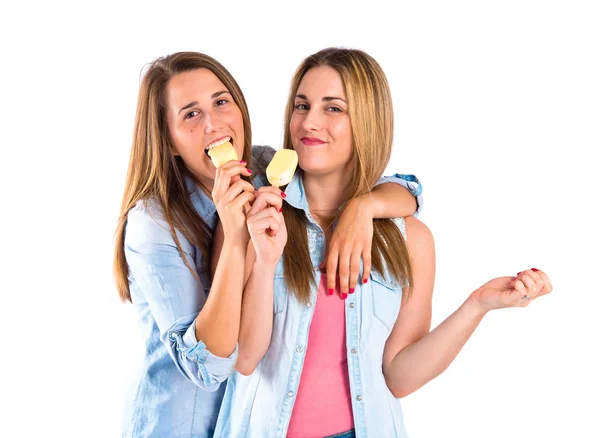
pixel 320 127
pixel 201 112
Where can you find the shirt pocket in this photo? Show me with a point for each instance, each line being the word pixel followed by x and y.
pixel 387 296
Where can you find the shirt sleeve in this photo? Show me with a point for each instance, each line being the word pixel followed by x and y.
pixel 174 295
pixel 410 182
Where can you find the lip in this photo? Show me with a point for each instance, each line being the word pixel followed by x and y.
pixel 311 141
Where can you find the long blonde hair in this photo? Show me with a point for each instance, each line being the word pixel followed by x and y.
pixel 154 172
pixel 372 123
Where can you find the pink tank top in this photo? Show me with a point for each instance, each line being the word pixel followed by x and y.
pixel 323 403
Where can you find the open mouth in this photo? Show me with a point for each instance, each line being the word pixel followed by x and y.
pixel 216 143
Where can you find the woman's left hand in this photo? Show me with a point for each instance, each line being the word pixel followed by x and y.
pixel 516 291
pixel 351 240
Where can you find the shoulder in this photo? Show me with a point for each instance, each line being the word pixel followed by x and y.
pixel 146 226
pixel 418 235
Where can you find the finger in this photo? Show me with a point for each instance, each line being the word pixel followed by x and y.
pixel 268 212
pixel 271 189
pixel 354 269
pixel 264 200
pixel 263 225
pixel 529 282
pixel 238 203
pixel 224 177
pixel 547 288
pixel 235 190
pixel 332 265
pixel 344 270
pixel 366 263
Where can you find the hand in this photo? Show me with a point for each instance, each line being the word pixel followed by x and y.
pixel 231 194
pixel 266 225
pixel 352 238
pixel 516 291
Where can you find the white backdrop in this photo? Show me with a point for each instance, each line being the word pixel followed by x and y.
pixel 497 108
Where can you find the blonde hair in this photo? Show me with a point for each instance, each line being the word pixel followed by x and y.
pixel 154 172
pixel 372 123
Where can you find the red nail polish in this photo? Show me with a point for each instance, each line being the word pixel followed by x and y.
pixel 534 269
pixel 281 209
pixel 365 281
pixel 330 291
pixel 351 291
pixel 249 171
pixel 283 195
pixel 344 296
pixel 519 273
pixel 242 162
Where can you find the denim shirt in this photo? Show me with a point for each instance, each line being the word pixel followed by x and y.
pixel 179 390
pixel 260 405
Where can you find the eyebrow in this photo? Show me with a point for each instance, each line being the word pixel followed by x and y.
pixel 214 96
pixel 325 99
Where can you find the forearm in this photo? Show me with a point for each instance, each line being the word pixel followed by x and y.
pixel 389 200
pixel 257 318
pixel 218 323
pixel 427 358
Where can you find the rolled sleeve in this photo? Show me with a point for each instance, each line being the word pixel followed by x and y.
pixel 174 296
pixel 198 363
pixel 410 182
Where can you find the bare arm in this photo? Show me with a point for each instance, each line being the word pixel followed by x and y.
pixel 412 356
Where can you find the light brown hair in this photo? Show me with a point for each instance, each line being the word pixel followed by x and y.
pixel 372 123
pixel 154 172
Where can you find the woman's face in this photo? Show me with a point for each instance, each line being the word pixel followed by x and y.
pixel 320 124
pixel 201 111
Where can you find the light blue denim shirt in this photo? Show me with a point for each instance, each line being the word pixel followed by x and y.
pixel 260 405
pixel 178 390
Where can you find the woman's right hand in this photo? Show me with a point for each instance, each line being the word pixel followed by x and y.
pixel 231 194
pixel 266 225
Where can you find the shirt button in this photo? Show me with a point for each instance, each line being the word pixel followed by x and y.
pixel 353 351
pixel 299 349
pixel 308 304
pixel 394 284
pixel 352 305
pixel 320 233
pixel 359 397
pixel 173 335
pixel 290 393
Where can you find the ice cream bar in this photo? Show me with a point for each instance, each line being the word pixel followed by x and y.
pixel 282 167
pixel 222 154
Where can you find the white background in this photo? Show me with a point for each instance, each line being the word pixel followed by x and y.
pixel 497 108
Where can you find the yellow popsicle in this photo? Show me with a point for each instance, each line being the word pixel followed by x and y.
pixel 282 167
pixel 222 154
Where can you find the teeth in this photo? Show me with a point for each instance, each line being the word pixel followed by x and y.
pixel 218 143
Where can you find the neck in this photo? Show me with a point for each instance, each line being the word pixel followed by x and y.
pixel 325 193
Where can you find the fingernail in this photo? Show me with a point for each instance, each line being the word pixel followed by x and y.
pixel 351 291
pixel 249 171
pixel 280 209
pixel 242 162
pixel 344 296
pixel 519 273
pixel 329 291
pixel 534 269
pixel 365 281
pixel 283 195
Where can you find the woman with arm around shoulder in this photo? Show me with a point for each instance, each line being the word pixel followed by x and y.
pixel 313 362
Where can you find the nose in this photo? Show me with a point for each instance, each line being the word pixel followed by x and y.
pixel 212 123
pixel 311 121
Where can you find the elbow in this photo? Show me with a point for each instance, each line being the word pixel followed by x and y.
pixel 246 364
